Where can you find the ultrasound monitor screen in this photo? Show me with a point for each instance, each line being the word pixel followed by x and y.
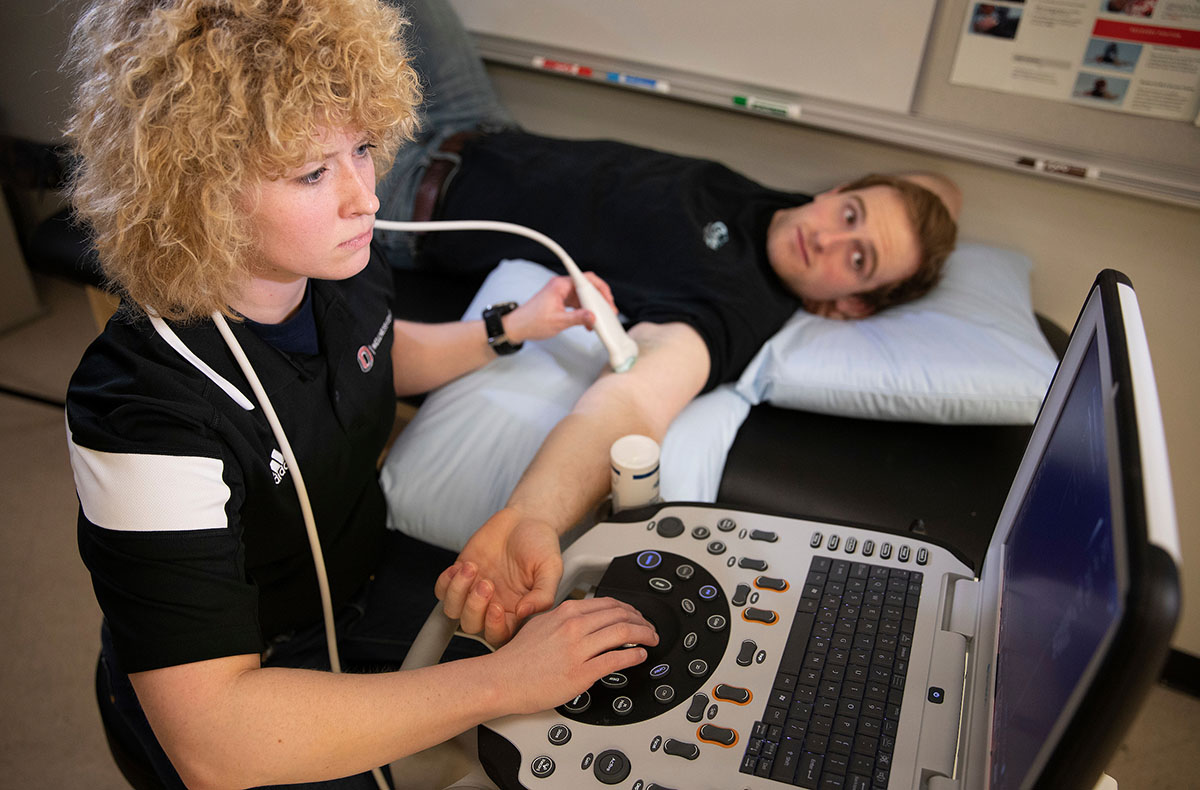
pixel 1061 598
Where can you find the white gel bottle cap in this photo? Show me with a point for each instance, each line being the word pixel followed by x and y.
pixel 635 462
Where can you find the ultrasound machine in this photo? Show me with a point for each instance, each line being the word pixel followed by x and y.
pixel 824 655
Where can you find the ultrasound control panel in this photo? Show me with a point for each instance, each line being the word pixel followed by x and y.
pixel 691 614
pixel 787 651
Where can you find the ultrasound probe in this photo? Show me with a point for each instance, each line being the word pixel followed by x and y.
pixel 622 350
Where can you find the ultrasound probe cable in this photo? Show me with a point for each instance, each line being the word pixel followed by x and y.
pixel 310 524
pixel 622 350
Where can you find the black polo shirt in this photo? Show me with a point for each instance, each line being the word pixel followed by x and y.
pixel 189 521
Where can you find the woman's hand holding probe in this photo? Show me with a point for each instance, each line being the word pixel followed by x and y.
pixel 552 309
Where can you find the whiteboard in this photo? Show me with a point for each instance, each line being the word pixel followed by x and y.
pixel 871 72
pixel 792 46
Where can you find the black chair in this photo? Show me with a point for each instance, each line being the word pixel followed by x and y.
pixel 131 759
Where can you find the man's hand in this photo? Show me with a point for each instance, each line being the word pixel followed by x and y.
pixel 552 309
pixel 512 566
pixel 509 569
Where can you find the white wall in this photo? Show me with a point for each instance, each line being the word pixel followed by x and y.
pixel 1070 232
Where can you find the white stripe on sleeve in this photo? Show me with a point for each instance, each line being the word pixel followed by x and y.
pixel 131 492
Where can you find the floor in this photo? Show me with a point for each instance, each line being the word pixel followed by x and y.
pixel 50 733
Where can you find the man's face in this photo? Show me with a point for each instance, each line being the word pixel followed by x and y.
pixel 842 244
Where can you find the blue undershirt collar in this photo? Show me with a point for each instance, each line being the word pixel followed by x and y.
pixel 296 335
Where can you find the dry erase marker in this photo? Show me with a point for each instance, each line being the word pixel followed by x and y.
pixel 782 109
pixel 1058 168
pixel 561 66
pixel 649 83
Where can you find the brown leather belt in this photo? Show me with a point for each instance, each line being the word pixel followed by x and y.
pixel 442 167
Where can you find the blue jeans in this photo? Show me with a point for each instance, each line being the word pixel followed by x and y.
pixel 375 630
pixel 458 97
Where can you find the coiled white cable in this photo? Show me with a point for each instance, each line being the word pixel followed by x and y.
pixel 622 350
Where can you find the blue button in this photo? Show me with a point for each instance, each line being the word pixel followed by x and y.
pixel 649 560
pixel 660 670
pixel 708 592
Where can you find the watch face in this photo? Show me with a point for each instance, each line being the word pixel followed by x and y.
pixel 500 308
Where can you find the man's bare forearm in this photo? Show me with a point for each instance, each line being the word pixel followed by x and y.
pixel 570 473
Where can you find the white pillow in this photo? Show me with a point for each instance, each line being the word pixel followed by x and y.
pixel 460 457
pixel 968 352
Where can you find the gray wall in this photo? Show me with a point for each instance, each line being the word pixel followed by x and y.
pixel 33 94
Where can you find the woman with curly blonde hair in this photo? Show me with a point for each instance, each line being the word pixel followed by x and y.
pixel 180 108
pixel 227 154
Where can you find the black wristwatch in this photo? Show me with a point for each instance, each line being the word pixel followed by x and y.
pixel 497 338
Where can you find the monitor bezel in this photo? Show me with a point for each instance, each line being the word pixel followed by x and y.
pixel 1141 639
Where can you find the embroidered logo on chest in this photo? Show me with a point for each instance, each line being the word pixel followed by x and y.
pixel 278 466
pixel 715 235
pixel 366 354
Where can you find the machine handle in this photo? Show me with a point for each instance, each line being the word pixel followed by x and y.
pixel 431 641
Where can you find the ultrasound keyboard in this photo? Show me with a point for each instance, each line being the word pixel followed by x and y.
pixel 832 717
pixel 787 651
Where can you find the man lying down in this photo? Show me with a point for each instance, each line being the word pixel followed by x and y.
pixel 704 263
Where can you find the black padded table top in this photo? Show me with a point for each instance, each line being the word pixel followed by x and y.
pixel 946 483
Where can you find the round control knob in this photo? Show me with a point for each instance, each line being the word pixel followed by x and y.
pixel 611 767
pixel 670 527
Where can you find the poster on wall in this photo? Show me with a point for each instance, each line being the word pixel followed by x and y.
pixel 1131 56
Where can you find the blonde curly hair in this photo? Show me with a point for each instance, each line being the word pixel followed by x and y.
pixel 182 106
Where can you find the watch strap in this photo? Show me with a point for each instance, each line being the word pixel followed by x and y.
pixel 493 323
